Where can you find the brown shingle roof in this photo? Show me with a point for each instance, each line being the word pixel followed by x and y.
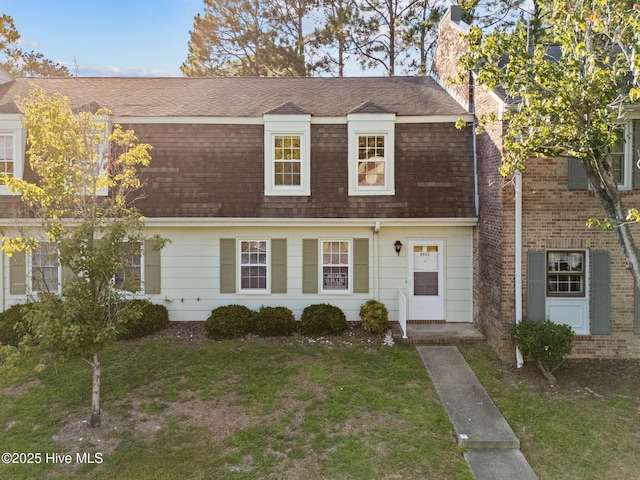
pixel 241 97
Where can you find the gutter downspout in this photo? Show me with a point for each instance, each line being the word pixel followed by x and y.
pixel 2 255
pixel 376 252
pixel 518 259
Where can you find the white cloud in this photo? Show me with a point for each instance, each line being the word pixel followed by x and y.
pixel 113 71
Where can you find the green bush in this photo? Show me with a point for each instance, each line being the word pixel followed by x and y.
pixel 274 322
pixel 545 342
pixel 322 319
pixel 375 317
pixel 12 325
pixel 229 321
pixel 151 318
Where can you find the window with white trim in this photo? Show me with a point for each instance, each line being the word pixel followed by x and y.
pixel 287 155
pixel 371 159
pixel 43 267
pixel 336 266
pixel 566 273
pixel 253 266
pixel 129 278
pixel 287 160
pixel 7 164
pixel 13 139
pixel 621 156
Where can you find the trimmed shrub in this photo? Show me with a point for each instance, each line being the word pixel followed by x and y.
pixel 13 324
pixel 322 319
pixel 547 343
pixel 275 322
pixel 151 318
pixel 229 321
pixel 375 317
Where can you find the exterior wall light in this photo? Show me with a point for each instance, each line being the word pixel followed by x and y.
pixel 398 246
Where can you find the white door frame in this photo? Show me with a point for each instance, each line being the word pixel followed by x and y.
pixel 426 301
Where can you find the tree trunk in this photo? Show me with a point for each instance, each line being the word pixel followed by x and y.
pixel 547 373
pixel 608 195
pixel 95 391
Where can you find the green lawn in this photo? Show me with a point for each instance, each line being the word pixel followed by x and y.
pixel 351 409
pixel 348 408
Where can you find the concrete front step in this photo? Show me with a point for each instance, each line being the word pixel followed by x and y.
pixel 437 334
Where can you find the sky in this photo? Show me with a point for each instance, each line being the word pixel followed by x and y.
pixel 127 38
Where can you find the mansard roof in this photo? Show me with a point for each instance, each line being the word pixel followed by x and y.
pixel 242 96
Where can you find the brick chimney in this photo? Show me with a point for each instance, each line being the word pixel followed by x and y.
pixel 450 47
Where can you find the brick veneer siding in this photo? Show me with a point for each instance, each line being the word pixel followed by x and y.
pixel 218 171
pixel 555 217
pixel 450 47
pixel 494 293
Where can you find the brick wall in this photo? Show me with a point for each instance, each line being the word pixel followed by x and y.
pixel 555 217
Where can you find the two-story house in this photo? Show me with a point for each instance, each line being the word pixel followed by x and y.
pixel 534 256
pixel 280 191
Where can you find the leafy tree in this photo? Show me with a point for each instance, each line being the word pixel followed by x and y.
pixel 489 14
pixel 422 34
pixel 571 104
pixel 20 63
pixel 255 38
pixel 334 37
pixel 76 157
pixel 379 40
pixel 287 18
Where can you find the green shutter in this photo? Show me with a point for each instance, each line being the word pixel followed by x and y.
pixel 360 265
pixel 635 157
pixel 577 177
pixel 18 273
pixel 536 286
pixel 279 265
pixel 227 265
pixel 152 271
pixel 600 293
pixel 309 265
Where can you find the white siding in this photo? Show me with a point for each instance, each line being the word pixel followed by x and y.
pixel 190 269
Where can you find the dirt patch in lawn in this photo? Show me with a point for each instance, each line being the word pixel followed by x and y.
pixel 595 377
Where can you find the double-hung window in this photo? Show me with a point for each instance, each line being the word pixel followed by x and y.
pixel 336 266
pixel 621 156
pixel 371 153
pixel 372 161
pixel 287 161
pixel 129 278
pixel 7 164
pixel 13 139
pixel 566 273
pixel 44 269
pixel 287 155
pixel 254 266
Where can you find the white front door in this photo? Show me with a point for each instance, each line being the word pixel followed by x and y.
pixel 425 292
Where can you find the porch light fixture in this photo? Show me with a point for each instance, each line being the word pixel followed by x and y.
pixel 398 246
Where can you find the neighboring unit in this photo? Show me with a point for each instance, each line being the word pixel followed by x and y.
pixel 535 258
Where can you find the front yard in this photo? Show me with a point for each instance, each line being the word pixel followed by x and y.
pixel 176 406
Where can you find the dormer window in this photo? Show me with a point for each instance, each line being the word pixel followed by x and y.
pixel 371 152
pixel 372 161
pixel 12 143
pixel 6 154
pixel 287 152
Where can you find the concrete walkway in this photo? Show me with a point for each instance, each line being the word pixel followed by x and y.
pixel 492 449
